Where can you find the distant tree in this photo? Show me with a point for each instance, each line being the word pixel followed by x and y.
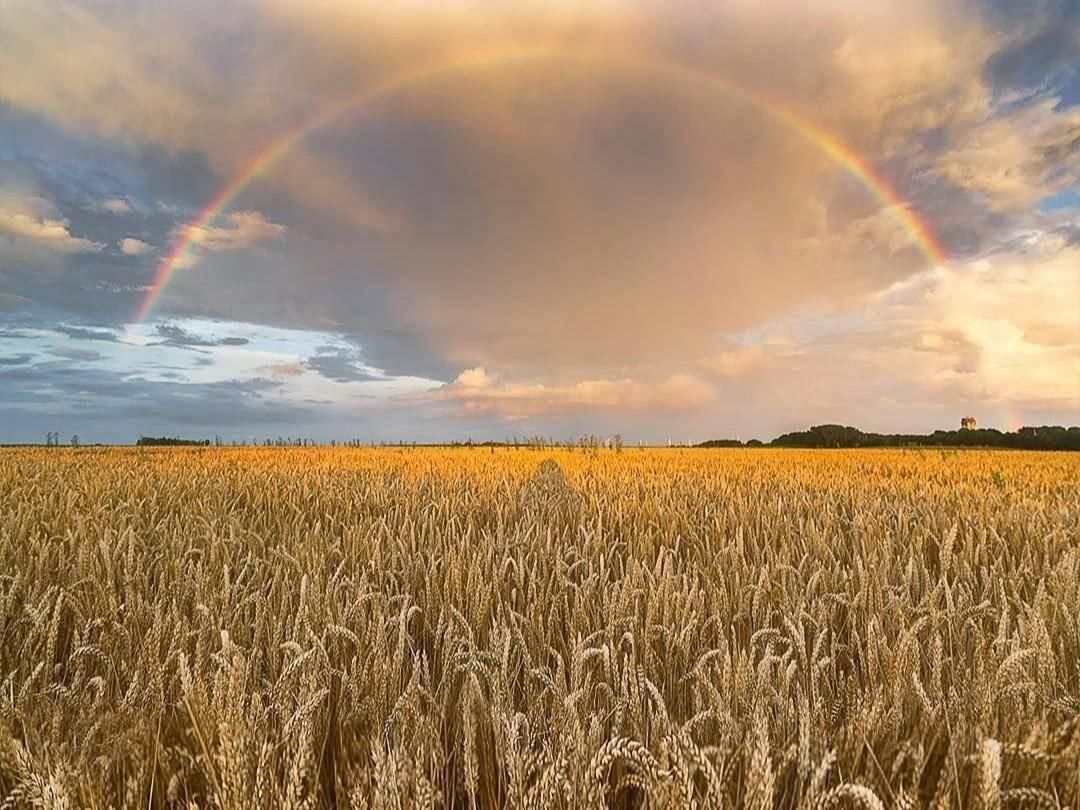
pixel 165 441
pixel 617 442
pixel 1046 437
pixel 75 440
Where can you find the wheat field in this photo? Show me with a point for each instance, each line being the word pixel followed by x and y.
pixel 385 628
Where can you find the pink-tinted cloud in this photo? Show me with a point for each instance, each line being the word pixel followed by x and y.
pixel 239 231
pixel 477 393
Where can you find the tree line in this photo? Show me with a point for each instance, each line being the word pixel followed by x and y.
pixel 167 441
pixel 1046 437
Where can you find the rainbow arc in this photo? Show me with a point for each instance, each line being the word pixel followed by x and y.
pixel 188 236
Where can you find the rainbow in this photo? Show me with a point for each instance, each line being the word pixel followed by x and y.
pixel 189 236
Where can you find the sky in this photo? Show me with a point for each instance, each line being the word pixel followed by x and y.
pixel 420 221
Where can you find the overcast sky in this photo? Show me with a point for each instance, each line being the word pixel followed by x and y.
pixel 553 218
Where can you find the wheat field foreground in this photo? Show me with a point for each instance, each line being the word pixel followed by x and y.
pixel 519 628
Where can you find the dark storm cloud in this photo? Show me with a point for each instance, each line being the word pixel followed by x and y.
pixel 113 185
pixel 401 353
pixel 99 288
pixel 71 353
pixel 180 338
pixel 84 333
pixel 73 172
pixel 179 182
pixel 341 366
pixel 112 395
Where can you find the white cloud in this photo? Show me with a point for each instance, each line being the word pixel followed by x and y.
pixel 130 246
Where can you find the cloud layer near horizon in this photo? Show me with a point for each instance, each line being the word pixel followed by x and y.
pixel 600 219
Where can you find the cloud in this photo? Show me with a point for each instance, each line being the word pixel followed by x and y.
pixel 476 393
pixel 127 405
pixel 116 206
pixel 130 246
pixel 342 365
pixel 990 329
pixel 27 229
pixel 243 230
pixel 984 335
pixel 144 386
pixel 580 228
pixel 552 209
pixel 881 230
pixel 83 333
pixel 594 169
pixel 736 362
pixel 114 71
pixel 15 360
pixel 178 337
pixel 1014 160
pixel 1040 48
pixel 283 369
pixel 72 353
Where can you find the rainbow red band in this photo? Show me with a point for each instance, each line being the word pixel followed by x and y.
pixel 921 234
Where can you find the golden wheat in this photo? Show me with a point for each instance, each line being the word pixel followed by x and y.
pixel 385 628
